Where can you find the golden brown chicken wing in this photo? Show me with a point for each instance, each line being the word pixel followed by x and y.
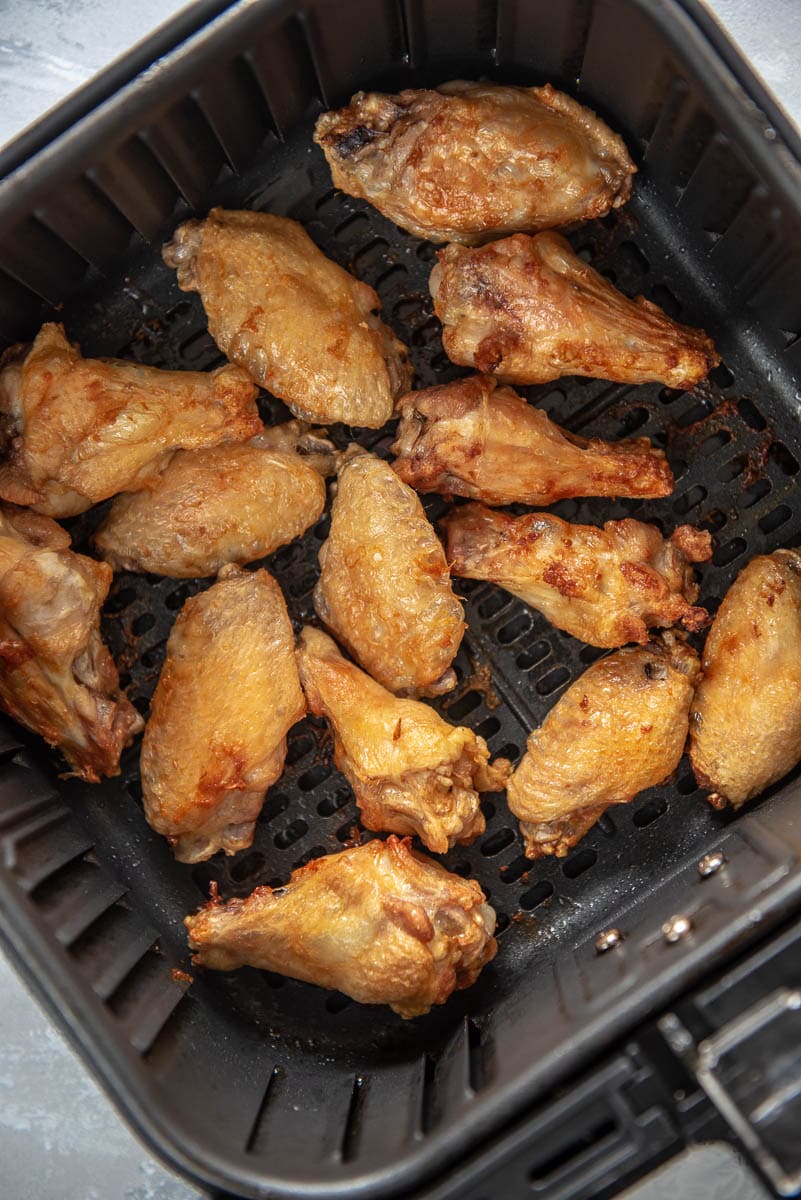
pixel 605 586
pixel 385 588
pixel 745 723
pixel 411 772
pixel 227 695
pixel 470 161
pixel 232 503
pixel 620 728
pixel 380 922
pixel 83 429
pixel 529 310
pixel 56 675
pixel 473 438
pixel 299 324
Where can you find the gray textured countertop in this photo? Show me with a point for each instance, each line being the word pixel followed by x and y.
pixel 60 1138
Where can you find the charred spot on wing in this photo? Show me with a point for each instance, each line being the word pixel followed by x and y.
pixel 353 141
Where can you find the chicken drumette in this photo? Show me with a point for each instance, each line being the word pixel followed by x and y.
pixel 620 728
pixel 473 438
pixel 56 675
pixel 81 430
pixel 229 504
pixel 470 161
pixel 227 695
pixel 606 586
pixel 411 772
pixel 299 324
pixel 529 310
pixel 384 588
pixel 380 922
pixel 745 724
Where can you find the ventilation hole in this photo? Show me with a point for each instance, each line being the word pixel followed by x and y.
pixel 337 1003
pixel 509 750
pixel 606 825
pixel 308 856
pixel 493 605
pixel 176 599
pixel 501 924
pixel 499 841
pixel 410 308
pixel 370 255
pixel 426 252
pixel 574 1151
pixel 591 654
pixel 774 520
pixel 247 865
pixel 756 492
pixel 142 703
pixel 516 869
pixel 310 779
pixel 633 420
pixel 695 413
pixel 464 705
pixel 751 414
pixel 651 811
pixel 679 468
pixel 687 784
pixel 143 623
pixel 783 458
pixel 291 834
pixel 349 834
pixel 333 803
pixel 536 895
pixel 394 275
pixel 274 805
pixel 329 200
pixel 690 500
pixel 714 521
pixel 298 748
pixel 631 257
pixel 722 376
pixel 667 395
pixel 356 224
pixel 461 868
pixel 666 300
pixel 488 727
pixel 514 629
pixel 577 864
pixel 714 442
pixel 553 680
pixel 120 600
pixel 727 553
pixel 731 469
pixel 532 655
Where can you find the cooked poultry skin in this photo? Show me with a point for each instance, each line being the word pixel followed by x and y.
pixel 529 310
pixel 411 772
pixel 84 429
pixel 299 324
pixel 473 438
pixel 385 588
pixel 745 723
pixel 230 504
pixel 56 675
pixel 605 586
pixel 381 923
pixel 620 728
pixel 471 161
pixel 227 695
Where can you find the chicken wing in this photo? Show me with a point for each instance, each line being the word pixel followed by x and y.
pixel 380 922
pixel 56 675
pixel 620 728
pixel 745 723
pixel 473 438
pixel 471 161
pixel 605 586
pixel 229 504
pixel 529 310
pixel 227 695
pixel 299 324
pixel 384 588
pixel 411 772
pixel 81 430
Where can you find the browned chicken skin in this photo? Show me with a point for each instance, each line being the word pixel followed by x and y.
pixel 85 429
pixel 232 503
pixel 473 438
pixel 411 772
pixel 605 586
pixel 56 675
pixel 227 695
pixel 620 728
pixel 384 588
pixel 380 922
pixel 529 310
pixel 299 324
pixel 745 724
pixel 471 161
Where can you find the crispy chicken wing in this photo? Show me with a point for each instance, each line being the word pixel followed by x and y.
pixel 385 589
pixel 411 772
pixel 529 310
pixel 745 724
pixel 232 503
pixel 471 161
pixel 83 429
pixel 380 922
pixel 620 728
pixel 473 438
pixel 605 586
pixel 299 324
pixel 56 675
pixel 227 695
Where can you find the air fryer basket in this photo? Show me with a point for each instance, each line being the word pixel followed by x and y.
pixel 259 1084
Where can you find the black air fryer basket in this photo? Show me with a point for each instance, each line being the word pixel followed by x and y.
pixel 563 1071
